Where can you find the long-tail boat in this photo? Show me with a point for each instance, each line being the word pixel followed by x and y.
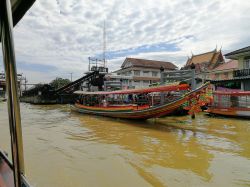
pixel 231 103
pixel 143 103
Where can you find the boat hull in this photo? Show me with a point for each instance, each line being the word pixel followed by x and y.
pixel 150 112
pixel 234 112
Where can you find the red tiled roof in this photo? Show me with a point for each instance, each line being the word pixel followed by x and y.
pixel 135 62
pixel 232 64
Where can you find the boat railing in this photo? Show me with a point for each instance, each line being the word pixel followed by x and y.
pixel 229 101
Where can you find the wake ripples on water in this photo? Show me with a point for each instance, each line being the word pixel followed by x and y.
pixel 64 148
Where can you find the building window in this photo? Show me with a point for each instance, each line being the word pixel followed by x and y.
pixel 128 73
pixel 217 76
pixel 145 73
pixel 145 83
pixel 226 75
pixel 137 83
pixel 136 73
pixel 247 63
pixel 154 74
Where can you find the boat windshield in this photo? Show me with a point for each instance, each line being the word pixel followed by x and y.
pixel 6 172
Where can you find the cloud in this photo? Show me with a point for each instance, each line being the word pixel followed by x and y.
pixel 58 36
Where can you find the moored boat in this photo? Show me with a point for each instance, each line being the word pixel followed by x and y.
pixel 157 101
pixel 232 103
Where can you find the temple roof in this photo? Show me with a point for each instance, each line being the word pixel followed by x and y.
pixel 208 60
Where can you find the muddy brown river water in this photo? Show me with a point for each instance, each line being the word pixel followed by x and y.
pixel 67 149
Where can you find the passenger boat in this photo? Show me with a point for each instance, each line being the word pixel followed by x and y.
pixel 12 173
pixel 232 103
pixel 158 101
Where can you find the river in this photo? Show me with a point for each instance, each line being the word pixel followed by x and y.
pixel 67 149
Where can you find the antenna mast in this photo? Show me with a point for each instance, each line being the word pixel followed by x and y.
pixel 104 43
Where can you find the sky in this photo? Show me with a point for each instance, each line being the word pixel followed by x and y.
pixel 56 37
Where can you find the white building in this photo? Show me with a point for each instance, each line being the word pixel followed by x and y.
pixel 142 72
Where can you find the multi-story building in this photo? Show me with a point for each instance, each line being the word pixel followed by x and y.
pixel 223 71
pixel 222 76
pixel 143 72
pixel 242 75
pixel 3 84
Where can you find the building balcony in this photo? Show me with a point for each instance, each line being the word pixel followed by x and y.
pixel 241 73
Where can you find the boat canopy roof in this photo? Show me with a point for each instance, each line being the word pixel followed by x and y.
pixel 138 91
pixel 19 8
pixel 234 93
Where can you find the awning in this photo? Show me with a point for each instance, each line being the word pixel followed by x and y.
pixel 19 8
pixel 138 91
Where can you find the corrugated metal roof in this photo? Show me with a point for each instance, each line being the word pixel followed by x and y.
pixel 237 52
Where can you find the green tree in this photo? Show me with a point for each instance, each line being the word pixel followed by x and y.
pixel 59 82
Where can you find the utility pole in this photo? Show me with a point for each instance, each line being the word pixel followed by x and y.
pixel 104 43
pixel 25 83
pixel 71 76
pixel 20 85
pixel 162 95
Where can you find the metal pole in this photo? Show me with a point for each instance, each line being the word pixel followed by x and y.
pixel 162 95
pixel 104 44
pixel 89 63
pixel 25 84
pixel 20 85
pixel 12 89
pixel 105 86
pixel 121 83
pixel 193 82
pixel 71 77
